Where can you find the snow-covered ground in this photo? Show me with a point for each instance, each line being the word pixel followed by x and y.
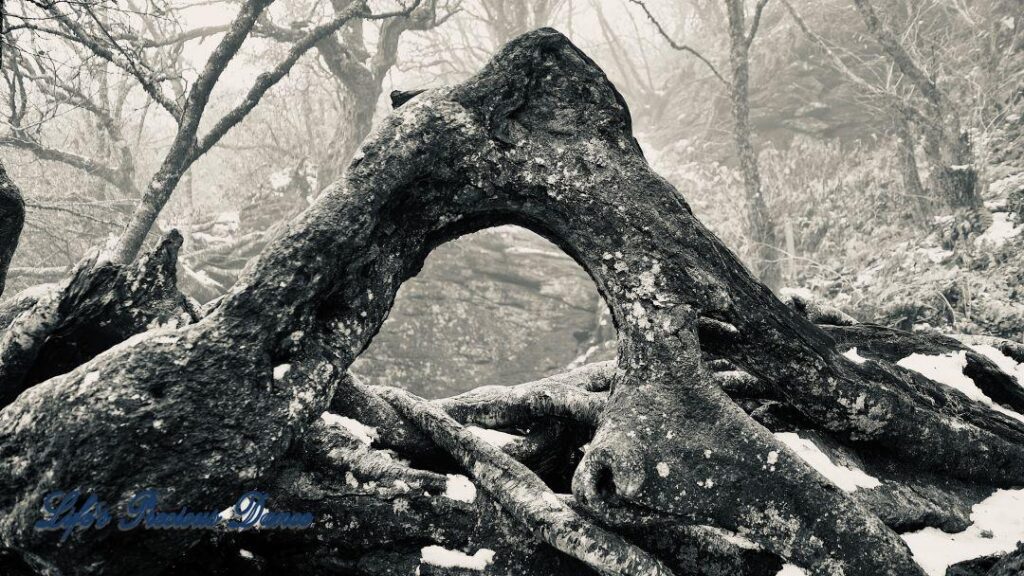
pixel 1001 230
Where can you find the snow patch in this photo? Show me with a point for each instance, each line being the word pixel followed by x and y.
pixel 362 432
pixel 948 369
pixel 997 525
pixel 1001 230
pixel 854 356
pixel 936 255
pixel 281 370
pixel 460 488
pixel 493 437
pixel 734 538
pixel 1004 362
pixel 663 469
pixel 445 558
pixel 280 179
pixel 847 479
pixel 945 369
pixel 791 570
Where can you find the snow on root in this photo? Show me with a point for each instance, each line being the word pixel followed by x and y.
pixel 847 479
pixel 948 369
pixel 495 438
pixel 1004 362
pixel 997 526
pixel 445 558
pixel 362 432
pixel 852 355
pixel 460 488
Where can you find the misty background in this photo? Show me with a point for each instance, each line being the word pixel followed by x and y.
pixel 850 151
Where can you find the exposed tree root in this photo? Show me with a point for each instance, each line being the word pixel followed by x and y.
pixel 524 495
pixel 891 345
pixel 12 218
pixel 374 522
pixel 539 138
pixel 502 406
pixel 97 306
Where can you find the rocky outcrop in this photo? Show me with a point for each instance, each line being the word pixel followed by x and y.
pixel 501 306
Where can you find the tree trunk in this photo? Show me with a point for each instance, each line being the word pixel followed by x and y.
pixel 909 171
pixel 12 218
pixel 154 197
pixel 538 138
pixel 954 175
pixel 950 153
pixel 760 224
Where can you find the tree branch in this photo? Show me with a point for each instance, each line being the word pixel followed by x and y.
pixel 837 61
pixel 80 36
pixel 89 165
pixel 267 80
pixel 756 21
pixel 677 46
pixel 892 46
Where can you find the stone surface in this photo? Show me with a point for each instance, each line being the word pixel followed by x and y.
pixel 501 306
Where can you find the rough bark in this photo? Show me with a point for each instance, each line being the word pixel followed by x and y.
pixel 98 305
pixel 879 342
pixel 538 138
pixel 12 218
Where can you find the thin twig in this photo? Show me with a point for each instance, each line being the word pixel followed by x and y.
pixel 675 45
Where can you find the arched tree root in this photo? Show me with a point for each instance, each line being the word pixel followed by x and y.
pixel 538 138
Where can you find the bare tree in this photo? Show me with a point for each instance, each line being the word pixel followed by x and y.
pixel 948 146
pixel 123 48
pixel 359 69
pixel 896 101
pixel 760 223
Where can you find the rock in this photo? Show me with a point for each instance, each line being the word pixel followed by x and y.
pixel 502 306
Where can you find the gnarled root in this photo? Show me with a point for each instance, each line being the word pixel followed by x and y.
pixel 12 218
pixel 97 306
pixel 524 495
